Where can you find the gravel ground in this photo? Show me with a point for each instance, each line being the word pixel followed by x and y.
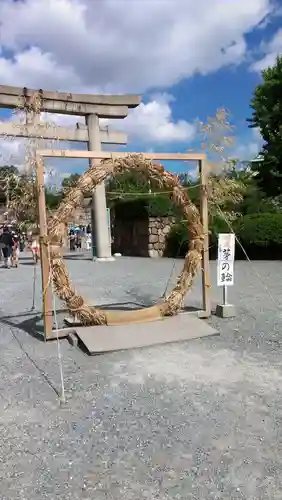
pixel 197 420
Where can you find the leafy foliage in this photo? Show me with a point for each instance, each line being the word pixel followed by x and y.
pixel 8 182
pixel 128 182
pixel 177 241
pixel 144 207
pixel 260 230
pixel 70 181
pixel 132 194
pixel 18 194
pixel 52 199
pixel 267 115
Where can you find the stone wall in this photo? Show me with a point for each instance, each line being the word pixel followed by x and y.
pixel 141 237
pixel 159 228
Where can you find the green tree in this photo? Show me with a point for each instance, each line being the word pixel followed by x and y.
pixel 53 199
pixel 128 183
pixel 70 181
pixel 8 170
pixel 267 116
pixel 9 179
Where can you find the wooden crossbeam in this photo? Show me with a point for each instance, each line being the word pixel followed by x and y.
pixel 43 131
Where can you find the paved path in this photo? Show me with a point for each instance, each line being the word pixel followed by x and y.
pixel 200 420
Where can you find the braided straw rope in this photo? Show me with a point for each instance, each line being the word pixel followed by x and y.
pixel 90 315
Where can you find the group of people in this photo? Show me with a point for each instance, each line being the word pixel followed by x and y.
pixel 79 235
pixel 13 241
pixel 75 240
pixel 10 247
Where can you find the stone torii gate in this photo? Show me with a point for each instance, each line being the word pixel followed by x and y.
pixel 92 107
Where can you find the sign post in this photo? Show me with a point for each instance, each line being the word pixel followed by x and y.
pixel 225 272
pixel 109 228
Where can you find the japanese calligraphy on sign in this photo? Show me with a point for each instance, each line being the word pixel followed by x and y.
pixel 225 259
pixel 225 273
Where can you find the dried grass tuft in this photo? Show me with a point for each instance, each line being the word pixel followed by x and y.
pixel 20 189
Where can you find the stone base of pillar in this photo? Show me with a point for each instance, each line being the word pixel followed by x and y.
pixel 103 259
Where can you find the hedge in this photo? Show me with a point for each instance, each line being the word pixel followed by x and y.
pixel 261 230
pixel 259 234
pixel 177 241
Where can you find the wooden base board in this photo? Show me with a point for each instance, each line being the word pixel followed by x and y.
pixel 125 318
pixel 99 339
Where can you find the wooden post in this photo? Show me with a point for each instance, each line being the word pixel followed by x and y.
pixel 44 253
pixel 205 222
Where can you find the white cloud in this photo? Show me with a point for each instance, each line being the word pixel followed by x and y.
pixel 153 123
pixel 11 152
pixel 121 46
pixel 248 150
pixel 270 52
pixel 150 122
pixel 124 45
pixel 17 151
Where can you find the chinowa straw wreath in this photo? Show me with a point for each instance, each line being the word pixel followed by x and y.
pixel 90 315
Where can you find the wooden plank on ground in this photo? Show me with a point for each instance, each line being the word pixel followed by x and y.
pixel 98 339
pixel 144 315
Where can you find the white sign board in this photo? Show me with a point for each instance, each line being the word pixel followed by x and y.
pixel 225 259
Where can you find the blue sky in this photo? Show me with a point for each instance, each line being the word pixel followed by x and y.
pixel 186 59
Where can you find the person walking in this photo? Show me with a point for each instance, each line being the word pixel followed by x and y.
pixel 22 242
pixel 88 241
pixel 6 241
pixel 72 240
pixel 78 240
pixel 15 251
pixel 35 249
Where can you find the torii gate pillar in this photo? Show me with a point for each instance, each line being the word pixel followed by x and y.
pixel 100 232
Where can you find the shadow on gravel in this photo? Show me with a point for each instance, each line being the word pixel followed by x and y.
pixel 27 263
pixel 122 306
pixel 32 322
pixel 33 325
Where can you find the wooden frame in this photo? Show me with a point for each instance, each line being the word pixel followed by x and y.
pixel 99 155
